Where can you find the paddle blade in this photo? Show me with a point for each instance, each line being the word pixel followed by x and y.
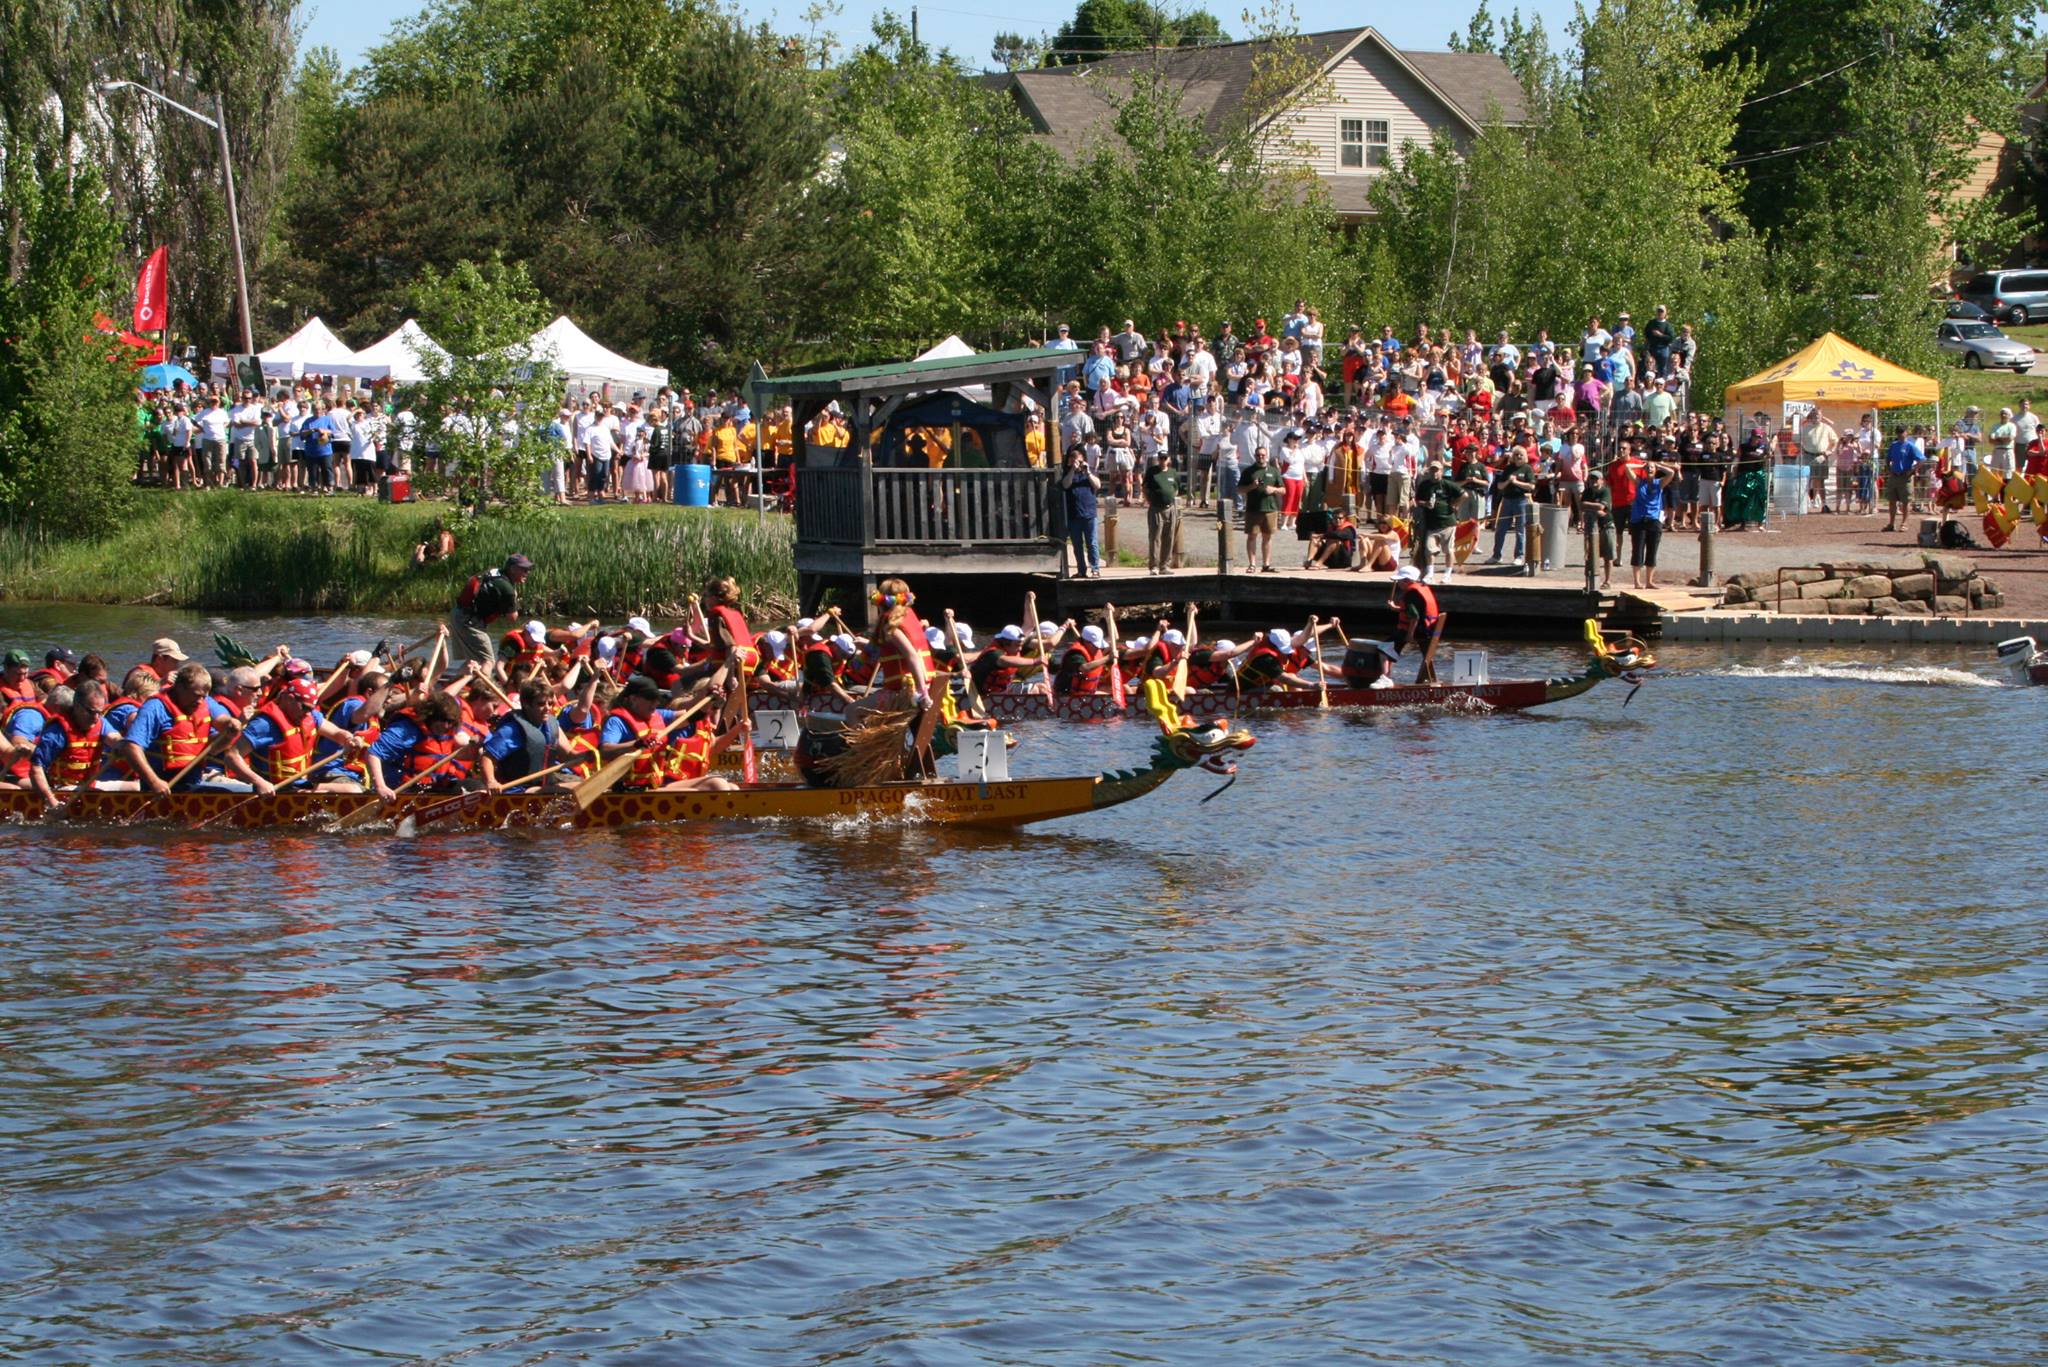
pixel 603 781
pixel 750 762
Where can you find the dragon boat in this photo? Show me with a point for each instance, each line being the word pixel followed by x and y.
pixel 1624 659
pixel 1180 746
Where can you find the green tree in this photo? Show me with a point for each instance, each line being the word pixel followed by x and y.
pixel 1615 196
pixel 1102 26
pixel 488 401
pixel 67 415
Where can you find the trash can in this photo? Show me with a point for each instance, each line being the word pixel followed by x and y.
pixel 693 486
pixel 1557 545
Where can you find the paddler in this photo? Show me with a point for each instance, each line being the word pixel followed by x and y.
pixel 1418 619
pixel 1273 660
pixel 67 754
pixel 679 761
pixel 818 680
pixel 1084 664
pixel 164 658
pixel 21 725
pixel 15 686
pixel 415 739
pixel 999 665
pixel 282 740
pixel 729 642
pixel 777 674
pixel 904 665
pixel 171 730
pixel 524 740
pixel 488 597
pixel 139 687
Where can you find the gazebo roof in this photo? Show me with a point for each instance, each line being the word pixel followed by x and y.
pixel 910 377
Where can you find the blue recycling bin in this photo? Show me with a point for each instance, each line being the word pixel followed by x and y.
pixel 693 486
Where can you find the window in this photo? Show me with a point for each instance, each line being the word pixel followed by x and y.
pixel 1375 142
pixel 1351 142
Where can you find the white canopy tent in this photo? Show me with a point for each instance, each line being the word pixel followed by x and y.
pixel 398 355
pixel 948 349
pixel 315 350
pixel 585 364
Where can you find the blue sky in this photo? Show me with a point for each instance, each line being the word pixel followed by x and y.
pixel 352 27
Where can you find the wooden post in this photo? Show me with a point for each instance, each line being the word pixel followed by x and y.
pixel 1223 536
pixel 1109 533
pixel 1706 579
pixel 1180 550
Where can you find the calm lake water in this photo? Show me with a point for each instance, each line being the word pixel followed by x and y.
pixel 1708 1030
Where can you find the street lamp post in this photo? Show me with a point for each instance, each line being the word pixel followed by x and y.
pixel 218 122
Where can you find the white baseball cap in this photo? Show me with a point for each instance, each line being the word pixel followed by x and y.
pixel 1172 637
pixel 777 643
pixel 607 649
pixel 641 625
pixel 1224 647
pixel 1011 633
pixel 1094 637
pixel 1278 638
pixel 1406 572
pixel 934 638
pixel 537 631
pixel 843 643
pixel 965 633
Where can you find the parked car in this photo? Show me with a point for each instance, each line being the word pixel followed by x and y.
pixel 2009 296
pixel 1963 308
pixel 1982 345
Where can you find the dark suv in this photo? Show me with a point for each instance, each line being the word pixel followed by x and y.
pixel 2009 296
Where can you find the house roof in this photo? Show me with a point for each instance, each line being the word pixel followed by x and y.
pixel 1072 105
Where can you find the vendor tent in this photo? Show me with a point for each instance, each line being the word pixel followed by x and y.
pixel 398 354
pixel 1834 371
pixel 585 364
pixel 314 350
pixel 952 347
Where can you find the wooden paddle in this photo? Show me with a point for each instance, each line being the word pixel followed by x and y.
pixel 410 825
pixel 1180 666
pixel 1031 629
pixel 1116 665
pixel 1315 638
pixel 369 810
pixel 928 722
pixel 608 775
pixel 975 705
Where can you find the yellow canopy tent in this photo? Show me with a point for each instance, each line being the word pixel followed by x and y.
pixel 1831 370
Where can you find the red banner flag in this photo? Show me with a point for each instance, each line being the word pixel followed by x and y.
pixel 153 292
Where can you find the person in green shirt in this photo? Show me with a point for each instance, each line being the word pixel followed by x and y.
pixel 1261 488
pixel 1162 510
pixel 1437 497
pixel 1596 506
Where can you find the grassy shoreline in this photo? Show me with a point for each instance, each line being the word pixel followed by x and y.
pixel 234 550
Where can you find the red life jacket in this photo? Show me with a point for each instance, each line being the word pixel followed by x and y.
pixel 581 742
pixel 994 676
pixel 1205 671
pixel 859 671
pixel 1262 667
pixel 690 757
pixel 430 751
pixel 521 646
pixel 291 756
pixel 650 762
pixel 25 691
pixel 739 637
pixel 895 668
pixel 778 668
pixel 80 759
pixel 18 769
pixel 815 653
pixel 1416 595
pixel 1083 676
pixel 185 740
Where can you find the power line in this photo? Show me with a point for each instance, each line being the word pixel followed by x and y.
pixel 1809 81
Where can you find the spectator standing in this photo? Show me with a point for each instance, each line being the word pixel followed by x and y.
pixel 1261 489
pixel 214 425
pixel 1658 339
pixel 244 421
pixel 1162 511
pixel 1517 482
pixel 1079 485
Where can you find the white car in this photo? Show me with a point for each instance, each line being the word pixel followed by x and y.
pixel 1982 345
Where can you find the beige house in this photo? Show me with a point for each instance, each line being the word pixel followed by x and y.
pixel 1348 124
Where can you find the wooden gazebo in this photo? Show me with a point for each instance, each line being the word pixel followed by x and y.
pixel 856 521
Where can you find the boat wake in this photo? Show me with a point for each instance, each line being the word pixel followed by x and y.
pixel 1922 676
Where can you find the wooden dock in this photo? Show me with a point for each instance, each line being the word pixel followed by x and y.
pixel 1502 604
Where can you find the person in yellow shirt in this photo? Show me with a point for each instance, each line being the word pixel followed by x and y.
pixel 1034 441
pixel 725 458
pixel 782 435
